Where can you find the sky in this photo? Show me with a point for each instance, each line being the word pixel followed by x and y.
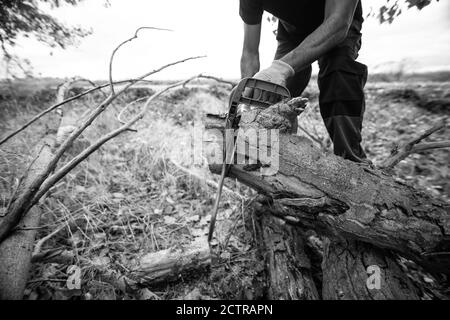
pixel 419 40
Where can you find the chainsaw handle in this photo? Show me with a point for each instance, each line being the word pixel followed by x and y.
pixel 237 96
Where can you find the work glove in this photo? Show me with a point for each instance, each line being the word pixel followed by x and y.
pixel 279 72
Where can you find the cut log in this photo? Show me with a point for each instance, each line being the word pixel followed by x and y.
pixel 340 198
pixel 172 264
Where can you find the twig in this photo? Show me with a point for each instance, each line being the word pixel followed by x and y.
pixel 400 153
pixel 231 232
pixel 244 206
pixel 22 178
pixel 46 280
pixel 317 140
pixel 431 146
pixel 119 116
pixel 40 243
pixel 60 256
pixel 232 84
pixel 111 83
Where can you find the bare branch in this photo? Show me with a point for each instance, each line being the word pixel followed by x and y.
pixel 313 138
pixel 62 172
pixel 59 104
pixel 230 83
pixel 431 146
pixel 411 147
pixel 119 116
pixel 111 83
pixel 22 178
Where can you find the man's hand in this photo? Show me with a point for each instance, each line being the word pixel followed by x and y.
pixel 279 72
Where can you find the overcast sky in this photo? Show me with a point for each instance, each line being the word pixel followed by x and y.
pixel 214 28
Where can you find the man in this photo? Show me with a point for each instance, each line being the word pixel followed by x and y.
pixel 310 30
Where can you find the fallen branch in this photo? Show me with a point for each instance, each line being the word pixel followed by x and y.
pixel 28 198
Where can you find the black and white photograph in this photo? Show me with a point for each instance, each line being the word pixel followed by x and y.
pixel 217 157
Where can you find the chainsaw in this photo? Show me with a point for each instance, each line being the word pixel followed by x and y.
pixel 261 92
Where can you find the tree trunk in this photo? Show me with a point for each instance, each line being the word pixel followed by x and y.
pixel 340 198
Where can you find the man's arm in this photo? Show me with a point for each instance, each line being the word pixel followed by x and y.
pixel 250 52
pixel 338 18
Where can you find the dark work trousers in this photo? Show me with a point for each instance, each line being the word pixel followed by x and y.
pixel 341 83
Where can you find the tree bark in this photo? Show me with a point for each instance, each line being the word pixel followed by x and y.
pixel 288 267
pixel 353 270
pixel 16 250
pixel 339 198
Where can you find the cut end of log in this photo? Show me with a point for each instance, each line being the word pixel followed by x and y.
pixel 173 263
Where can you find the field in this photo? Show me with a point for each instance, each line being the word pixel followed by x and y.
pixel 140 193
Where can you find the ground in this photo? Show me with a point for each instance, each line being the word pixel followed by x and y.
pixel 142 193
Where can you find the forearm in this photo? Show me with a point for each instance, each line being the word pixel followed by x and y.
pixel 249 64
pixel 328 35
